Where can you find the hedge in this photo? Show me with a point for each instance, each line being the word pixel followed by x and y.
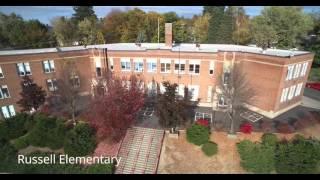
pixel 21 142
pixel 210 148
pixel 80 141
pixel 198 134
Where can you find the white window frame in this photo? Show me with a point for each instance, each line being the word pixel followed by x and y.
pixel 8 111
pixel 297 70
pixel 284 94
pixel 167 65
pixel 138 64
pixel 152 65
pixel 52 86
pixel 76 77
pixel 291 92
pixel 211 68
pixel 179 63
pixel 50 66
pixel 194 92
pixel 304 69
pixel 1 73
pixel 194 63
pixel 298 89
pixel 289 72
pixel 180 90
pixel 24 68
pixel 127 63
pixel 2 94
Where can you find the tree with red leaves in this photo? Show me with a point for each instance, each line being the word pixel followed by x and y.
pixel 32 95
pixel 111 113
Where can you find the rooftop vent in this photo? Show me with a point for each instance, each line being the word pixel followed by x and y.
pixel 197 46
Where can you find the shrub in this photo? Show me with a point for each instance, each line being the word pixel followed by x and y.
pixel 270 139
pixel 48 132
pixel 198 134
pixel 100 169
pixel 210 148
pixel 16 126
pixel 246 128
pixel 298 157
pixel 21 142
pixel 80 141
pixel 255 157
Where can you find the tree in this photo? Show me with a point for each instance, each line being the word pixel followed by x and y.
pixel 112 25
pixel 180 31
pixel 216 16
pixel 171 108
pixel 200 28
pixel 312 42
pixel 112 112
pixel 69 87
pixel 241 34
pixel 170 17
pixel 82 12
pixel 88 32
pixel 226 27
pixel 65 30
pixel 263 33
pixel 284 24
pixel 32 95
pixel 236 91
pixel 16 33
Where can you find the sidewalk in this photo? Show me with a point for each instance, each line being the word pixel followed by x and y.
pixel 309 102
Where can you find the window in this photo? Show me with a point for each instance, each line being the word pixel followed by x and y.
pixel 179 66
pixel 165 65
pixel 125 64
pixel 297 70
pixel 52 84
pixel 284 95
pixel 4 92
pixel 222 101
pixel 180 90
pixel 152 65
pixel 152 89
pixel 8 111
pixel 194 92
pixel 98 66
pixel 138 65
pixel 291 93
pixel 1 73
pixel 304 69
pixel 226 78
pixel 209 99
pixel 298 90
pixel 24 69
pixel 194 67
pixel 289 72
pixel 48 66
pixel 75 81
pixel 211 68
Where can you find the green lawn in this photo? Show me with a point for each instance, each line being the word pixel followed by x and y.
pixel 314 74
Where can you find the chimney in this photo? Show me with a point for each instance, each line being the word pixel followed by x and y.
pixel 168 34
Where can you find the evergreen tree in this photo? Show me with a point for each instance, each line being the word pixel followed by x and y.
pixel 226 27
pixel 214 31
pixel 82 12
pixel 33 96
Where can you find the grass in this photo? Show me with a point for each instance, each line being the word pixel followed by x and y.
pixel 314 74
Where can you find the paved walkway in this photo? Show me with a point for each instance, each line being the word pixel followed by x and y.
pixel 310 102
pixel 140 151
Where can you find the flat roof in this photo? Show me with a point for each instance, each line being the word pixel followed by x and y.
pixel 184 47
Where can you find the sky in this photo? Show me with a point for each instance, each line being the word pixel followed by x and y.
pixel 46 13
